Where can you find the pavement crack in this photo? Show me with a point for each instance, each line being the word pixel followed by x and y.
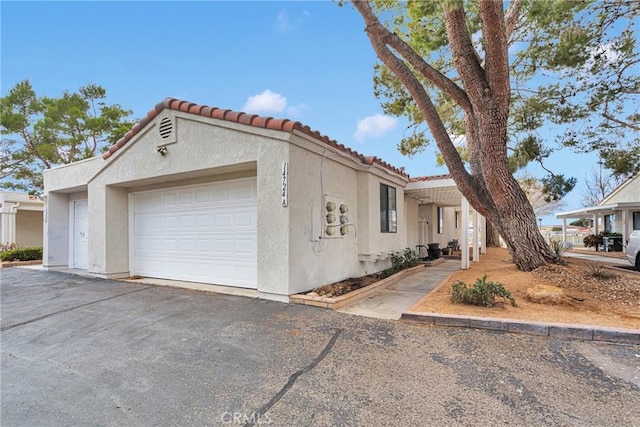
pixel 292 379
pixel 6 328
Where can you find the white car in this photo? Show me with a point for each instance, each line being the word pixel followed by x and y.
pixel 633 249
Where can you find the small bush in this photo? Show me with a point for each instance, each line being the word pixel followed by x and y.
pixel 22 254
pixel 598 239
pixel 558 247
pixel 480 293
pixel 400 261
pixel 597 271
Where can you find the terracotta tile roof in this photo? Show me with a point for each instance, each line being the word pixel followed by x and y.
pixel 246 119
pixel 431 177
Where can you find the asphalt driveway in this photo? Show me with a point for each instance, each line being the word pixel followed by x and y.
pixel 80 351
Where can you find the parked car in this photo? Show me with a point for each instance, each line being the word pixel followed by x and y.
pixel 633 249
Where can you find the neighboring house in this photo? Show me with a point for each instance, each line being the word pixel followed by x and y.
pixel 619 212
pixel 208 195
pixel 20 219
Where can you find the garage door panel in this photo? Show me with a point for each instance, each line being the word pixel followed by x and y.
pixel 205 233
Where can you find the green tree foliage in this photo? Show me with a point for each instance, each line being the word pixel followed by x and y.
pixel 578 67
pixel 41 132
pixel 573 68
pixel 489 71
pixel 538 196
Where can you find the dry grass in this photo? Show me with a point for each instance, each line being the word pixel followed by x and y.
pixel 612 302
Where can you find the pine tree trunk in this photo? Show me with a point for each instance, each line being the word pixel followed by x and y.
pixel 484 96
pixel 493 238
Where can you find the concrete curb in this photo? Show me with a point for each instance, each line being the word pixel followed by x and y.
pixel 7 264
pixel 557 330
pixel 335 303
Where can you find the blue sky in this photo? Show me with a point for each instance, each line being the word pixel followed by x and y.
pixel 307 61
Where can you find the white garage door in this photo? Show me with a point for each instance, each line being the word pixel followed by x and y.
pixel 201 233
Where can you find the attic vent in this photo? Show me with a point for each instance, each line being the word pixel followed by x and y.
pixel 166 128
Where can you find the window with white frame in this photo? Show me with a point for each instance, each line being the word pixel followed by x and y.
pixel 388 209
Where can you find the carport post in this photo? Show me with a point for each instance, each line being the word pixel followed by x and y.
pixel 476 237
pixel 564 231
pixel 483 227
pixel 464 235
pixel 625 226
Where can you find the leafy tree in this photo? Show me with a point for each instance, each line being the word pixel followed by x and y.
pixel 582 222
pixel 447 65
pixel 40 132
pixel 580 71
pixel 536 193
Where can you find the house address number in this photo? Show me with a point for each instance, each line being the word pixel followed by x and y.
pixel 284 192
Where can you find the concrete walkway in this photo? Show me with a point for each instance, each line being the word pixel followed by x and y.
pixel 598 258
pixel 394 300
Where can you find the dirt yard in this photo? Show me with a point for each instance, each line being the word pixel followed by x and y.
pixel 613 302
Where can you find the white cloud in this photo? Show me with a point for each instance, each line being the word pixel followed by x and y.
pixel 269 102
pixel 266 102
pixel 374 127
pixel 285 24
pixel 297 110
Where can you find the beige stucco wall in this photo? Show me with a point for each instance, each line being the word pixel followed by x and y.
pixel 291 258
pixel 316 259
pixel 29 228
pixel 630 193
pixel 317 175
pixel 411 220
pixel 56 227
pixel 72 176
pixel 449 230
pixel 206 150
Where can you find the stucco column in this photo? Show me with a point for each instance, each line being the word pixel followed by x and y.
pixel 476 237
pixel 108 230
pixel 564 231
pixel 464 235
pixel 596 226
pixel 8 216
pixel 56 230
pixel 483 227
pixel 625 225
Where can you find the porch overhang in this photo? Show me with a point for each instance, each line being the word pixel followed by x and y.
pixel 599 210
pixel 441 190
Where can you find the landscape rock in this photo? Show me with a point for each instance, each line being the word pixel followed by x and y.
pixel 545 294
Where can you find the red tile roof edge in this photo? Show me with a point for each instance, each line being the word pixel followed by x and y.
pixel 254 120
pixel 430 177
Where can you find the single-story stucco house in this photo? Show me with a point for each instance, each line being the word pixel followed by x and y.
pixel 202 194
pixel 21 219
pixel 619 212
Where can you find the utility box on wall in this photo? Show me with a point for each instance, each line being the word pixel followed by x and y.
pixel 336 217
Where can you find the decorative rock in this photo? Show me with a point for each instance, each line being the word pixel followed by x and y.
pixel 545 294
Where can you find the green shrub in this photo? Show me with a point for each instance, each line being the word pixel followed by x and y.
pixel 480 293
pixel 400 261
pixel 598 271
pixel 558 247
pixel 21 254
pixel 597 240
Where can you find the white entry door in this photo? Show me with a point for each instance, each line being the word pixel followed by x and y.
pixel 202 233
pixel 80 235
